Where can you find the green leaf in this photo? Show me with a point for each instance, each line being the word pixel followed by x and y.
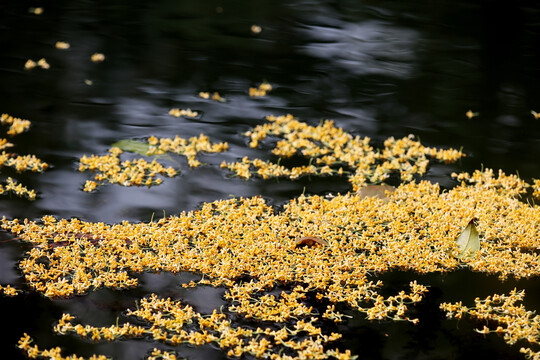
pixel 134 146
pixel 468 241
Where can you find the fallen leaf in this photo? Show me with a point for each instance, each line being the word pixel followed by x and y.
pixel 134 146
pixel 468 241
pixel 381 191
pixel 310 241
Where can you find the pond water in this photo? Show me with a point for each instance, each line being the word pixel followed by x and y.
pixel 377 69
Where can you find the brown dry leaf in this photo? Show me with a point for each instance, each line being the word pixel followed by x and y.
pixel 310 241
pixel 381 191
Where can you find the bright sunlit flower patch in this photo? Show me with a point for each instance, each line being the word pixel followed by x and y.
pixel 413 229
pixel 258 255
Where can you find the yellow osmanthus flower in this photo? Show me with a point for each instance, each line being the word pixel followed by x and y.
pixel 36 11
pixel 97 57
pixel 160 354
pixel 510 185
pixel 29 64
pixel 16 125
pixel 34 352
pixel 512 321
pixel 8 290
pixel 22 162
pixel 42 63
pixel 109 168
pixel 167 320
pixel 12 186
pixel 62 45
pixel 19 162
pixel 329 148
pixel 215 96
pixel 4 144
pixel 226 241
pixel 536 188
pixel 261 90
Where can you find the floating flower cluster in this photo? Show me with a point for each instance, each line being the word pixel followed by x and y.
pixel 160 354
pixel 188 148
pixel 229 241
pixel 512 321
pixel 13 187
pixel 174 323
pixel 109 169
pixel 19 162
pixel 510 185
pixel 8 290
pixel 22 162
pixel 33 352
pixel 16 125
pixel 261 90
pixel 176 112
pixel 333 151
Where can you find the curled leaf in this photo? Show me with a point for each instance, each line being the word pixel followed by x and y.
pixel 468 241
pixel 310 241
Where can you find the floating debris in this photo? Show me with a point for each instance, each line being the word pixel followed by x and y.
pixel 310 241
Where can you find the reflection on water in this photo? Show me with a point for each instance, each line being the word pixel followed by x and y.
pixel 367 48
pixel 378 70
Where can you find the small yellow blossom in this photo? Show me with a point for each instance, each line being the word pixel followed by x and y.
pixel 42 63
pixel 97 57
pixel 30 64
pixel 62 45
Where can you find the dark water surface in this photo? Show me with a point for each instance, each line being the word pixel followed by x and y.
pixel 377 68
